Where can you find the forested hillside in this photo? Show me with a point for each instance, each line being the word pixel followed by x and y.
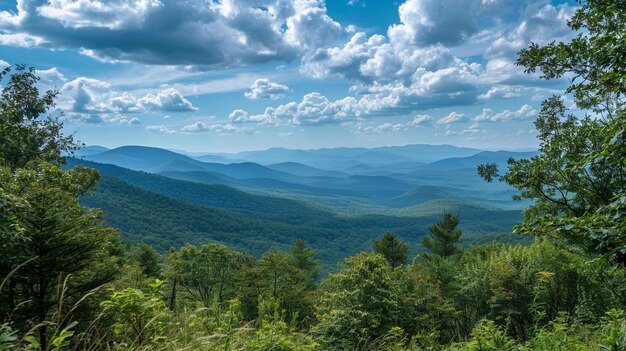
pixel 169 213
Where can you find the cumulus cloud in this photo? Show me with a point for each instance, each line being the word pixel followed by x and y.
pixel 207 34
pixel 202 127
pixel 421 120
pixel 241 116
pixel 416 121
pixel 447 22
pixel 92 96
pixel 266 89
pixel 382 128
pixel 539 24
pixel 501 92
pixel 453 117
pixel 167 100
pixel 414 66
pixel 374 100
pixel 160 129
pixel 51 78
pixel 525 112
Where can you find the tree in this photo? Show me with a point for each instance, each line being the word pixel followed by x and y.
pixel 58 245
pixel 443 236
pixel 303 258
pixel 148 260
pixel 204 273
pixel 24 135
pixel 578 181
pixel 395 251
pixel 284 286
pixel 357 304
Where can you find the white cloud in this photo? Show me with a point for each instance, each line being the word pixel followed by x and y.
pixel 241 116
pixel 88 95
pixel 201 127
pixel 413 68
pixel 51 78
pixel 421 120
pixel 539 24
pixel 447 22
pixel 160 129
pixel 501 92
pixel 525 112
pixel 207 34
pixel 453 117
pixel 382 128
pixel 167 100
pixel 266 89
pixel 387 127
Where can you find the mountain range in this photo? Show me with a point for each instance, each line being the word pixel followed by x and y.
pixel 338 200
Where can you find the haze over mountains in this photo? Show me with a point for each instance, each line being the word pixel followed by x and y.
pixel 335 199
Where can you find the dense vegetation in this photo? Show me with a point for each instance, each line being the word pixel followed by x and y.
pixel 68 283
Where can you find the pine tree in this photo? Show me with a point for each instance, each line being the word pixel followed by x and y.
pixel 443 236
pixel 58 245
pixel 395 251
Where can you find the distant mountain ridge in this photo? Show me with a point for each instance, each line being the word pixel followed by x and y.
pixel 393 184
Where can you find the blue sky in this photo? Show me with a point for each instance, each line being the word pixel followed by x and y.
pixel 234 75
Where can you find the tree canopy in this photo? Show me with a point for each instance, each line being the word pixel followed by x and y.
pixel 25 133
pixel 578 181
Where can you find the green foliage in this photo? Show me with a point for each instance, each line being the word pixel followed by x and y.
pixel 487 337
pixel 595 57
pixel 614 331
pixel 283 283
pixel 205 273
pixel 277 337
pixel 443 236
pixel 7 337
pixel 24 135
pixel 395 251
pixel 357 304
pixel 60 242
pixel 139 317
pixel 577 180
pixel 303 258
pixel 148 260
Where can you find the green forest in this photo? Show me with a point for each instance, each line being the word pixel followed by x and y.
pixel 72 280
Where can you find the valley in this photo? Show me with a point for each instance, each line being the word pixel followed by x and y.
pixel 337 200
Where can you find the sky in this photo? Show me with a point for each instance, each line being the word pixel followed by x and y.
pixel 235 75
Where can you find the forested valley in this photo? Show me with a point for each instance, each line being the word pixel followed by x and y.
pixel 69 280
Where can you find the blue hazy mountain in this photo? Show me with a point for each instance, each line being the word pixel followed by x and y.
pixel 395 184
pixel 300 169
pixel 90 150
pixel 141 158
pixel 332 158
pixel 156 160
pixel 498 157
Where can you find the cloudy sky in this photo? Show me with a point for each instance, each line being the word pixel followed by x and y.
pixel 232 75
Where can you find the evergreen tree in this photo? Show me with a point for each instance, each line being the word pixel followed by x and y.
pixel 395 251
pixel 443 236
pixel 303 258
pixel 64 246
pixel 148 260
pixel 57 250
